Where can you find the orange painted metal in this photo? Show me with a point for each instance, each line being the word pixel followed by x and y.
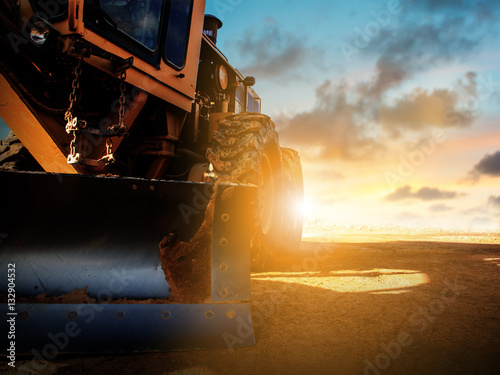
pixel 30 132
pixel 72 15
pixel 174 86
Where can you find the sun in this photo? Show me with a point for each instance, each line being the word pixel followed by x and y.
pixel 304 207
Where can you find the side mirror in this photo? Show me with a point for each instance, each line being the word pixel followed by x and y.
pixel 249 81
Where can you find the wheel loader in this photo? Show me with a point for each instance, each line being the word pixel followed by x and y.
pixel 140 183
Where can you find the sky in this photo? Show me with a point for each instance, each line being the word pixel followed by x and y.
pixel 394 105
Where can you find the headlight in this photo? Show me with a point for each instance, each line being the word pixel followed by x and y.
pixel 221 78
pixel 39 33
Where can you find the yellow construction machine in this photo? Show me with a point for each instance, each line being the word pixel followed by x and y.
pixel 140 183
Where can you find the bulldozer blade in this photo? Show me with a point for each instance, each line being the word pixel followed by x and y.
pixel 100 236
pixel 117 328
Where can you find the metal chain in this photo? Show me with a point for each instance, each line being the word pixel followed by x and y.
pixel 121 128
pixel 72 122
pixel 73 125
pixel 121 112
pixel 68 116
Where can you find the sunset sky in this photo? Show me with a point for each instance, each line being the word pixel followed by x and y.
pixel 393 105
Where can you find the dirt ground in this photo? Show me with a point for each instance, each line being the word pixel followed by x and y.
pixel 354 305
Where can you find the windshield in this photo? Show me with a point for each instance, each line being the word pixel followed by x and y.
pixel 139 19
pixel 178 32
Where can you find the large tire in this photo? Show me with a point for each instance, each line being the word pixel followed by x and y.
pixel 14 156
pixel 293 198
pixel 245 149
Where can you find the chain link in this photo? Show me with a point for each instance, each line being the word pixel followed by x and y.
pixel 72 145
pixel 68 116
pixel 121 112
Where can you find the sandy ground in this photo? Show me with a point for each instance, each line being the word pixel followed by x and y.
pixel 355 305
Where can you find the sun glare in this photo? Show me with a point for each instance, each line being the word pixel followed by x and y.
pixel 303 207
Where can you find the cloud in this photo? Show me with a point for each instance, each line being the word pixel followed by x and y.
pixel 440 208
pixel 326 172
pixel 421 109
pixel 333 129
pixel 425 36
pixel 489 165
pixel 424 194
pixel 428 34
pixel 356 121
pixel 481 10
pixel 444 29
pixel 475 211
pixel 272 52
pixel 494 201
pixel 417 46
pixel 352 122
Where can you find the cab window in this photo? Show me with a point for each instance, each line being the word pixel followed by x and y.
pixel 139 19
pixel 179 23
